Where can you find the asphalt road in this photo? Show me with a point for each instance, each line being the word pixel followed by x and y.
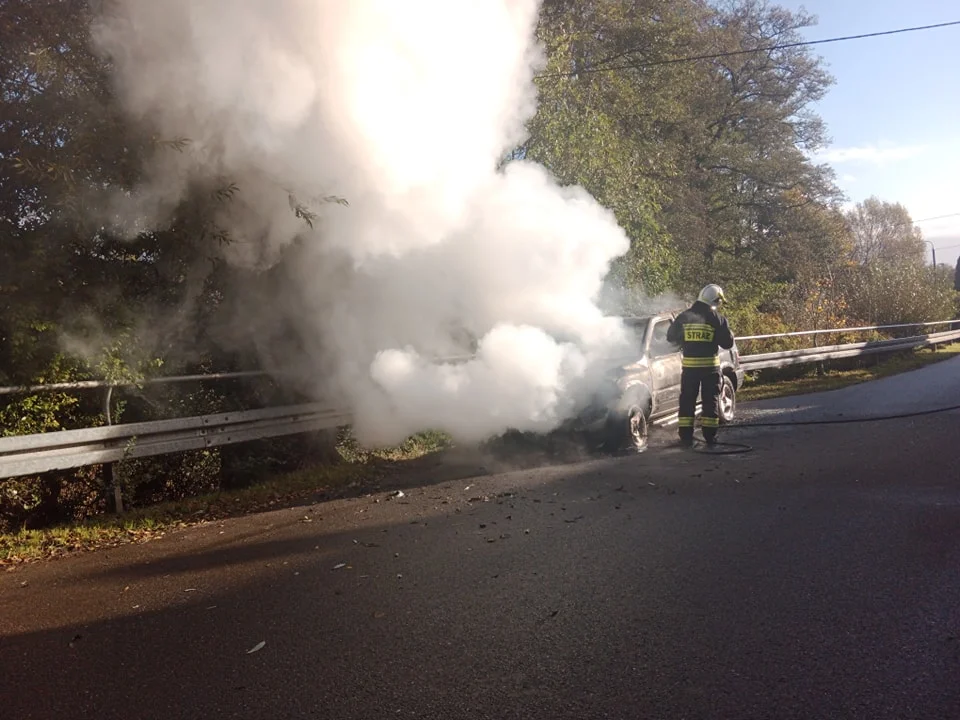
pixel 816 577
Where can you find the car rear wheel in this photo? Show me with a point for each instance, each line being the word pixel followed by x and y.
pixel 727 401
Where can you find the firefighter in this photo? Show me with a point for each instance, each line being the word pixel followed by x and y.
pixel 700 331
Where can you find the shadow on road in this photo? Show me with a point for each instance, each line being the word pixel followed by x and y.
pixel 795 584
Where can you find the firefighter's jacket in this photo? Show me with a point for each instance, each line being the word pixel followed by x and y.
pixel 700 331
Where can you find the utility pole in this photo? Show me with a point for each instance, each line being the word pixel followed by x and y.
pixel 933 250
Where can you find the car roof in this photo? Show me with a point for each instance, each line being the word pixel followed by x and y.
pixel 643 319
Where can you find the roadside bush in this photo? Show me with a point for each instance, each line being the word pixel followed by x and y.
pixel 894 293
pixel 40 501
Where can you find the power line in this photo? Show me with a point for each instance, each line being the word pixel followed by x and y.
pixel 938 217
pixel 929 219
pixel 733 53
pixel 922 220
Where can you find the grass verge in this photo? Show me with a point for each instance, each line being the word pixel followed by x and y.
pixel 358 470
pixel 835 379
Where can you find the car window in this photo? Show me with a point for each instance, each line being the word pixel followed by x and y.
pixel 659 345
pixel 639 331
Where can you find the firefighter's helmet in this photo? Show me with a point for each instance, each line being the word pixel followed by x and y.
pixel 712 295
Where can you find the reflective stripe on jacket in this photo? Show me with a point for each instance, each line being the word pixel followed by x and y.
pixel 700 331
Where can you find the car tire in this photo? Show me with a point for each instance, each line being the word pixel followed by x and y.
pixel 628 430
pixel 727 401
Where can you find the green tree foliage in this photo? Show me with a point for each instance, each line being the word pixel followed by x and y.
pixel 884 232
pixel 83 294
pixel 749 203
pixel 706 163
pixel 602 114
pixel 887 280
pixel 886 292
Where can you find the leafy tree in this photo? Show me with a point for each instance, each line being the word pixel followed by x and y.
pixel 749 202
pixel 83 292
pixel 888 281
pixel 887 293
pixel 601 111
pixel 884 232
pixel 705 163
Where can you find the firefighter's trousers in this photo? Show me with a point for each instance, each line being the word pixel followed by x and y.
pixel 693 382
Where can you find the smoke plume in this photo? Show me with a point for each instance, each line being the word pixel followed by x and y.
pixel 406 110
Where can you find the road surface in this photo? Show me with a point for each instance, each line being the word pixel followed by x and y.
pixel 816 577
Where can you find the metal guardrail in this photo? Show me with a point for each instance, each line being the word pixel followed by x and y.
pixel 93 384
pixel 786 358
pixel 46 458
pixel 67 449
pixel 838 331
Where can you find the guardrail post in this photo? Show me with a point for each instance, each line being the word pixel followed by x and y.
pixel 108 478
pixel 819 368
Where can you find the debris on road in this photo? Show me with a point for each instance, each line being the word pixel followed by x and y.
pixel 338 566
pixel 256 648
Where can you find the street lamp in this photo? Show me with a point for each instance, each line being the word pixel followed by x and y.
pixel 933 249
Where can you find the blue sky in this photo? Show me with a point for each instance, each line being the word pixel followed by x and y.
pixel 894 111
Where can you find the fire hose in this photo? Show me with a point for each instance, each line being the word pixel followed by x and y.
pixel 732 448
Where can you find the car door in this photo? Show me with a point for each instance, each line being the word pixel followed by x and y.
pixel 665 367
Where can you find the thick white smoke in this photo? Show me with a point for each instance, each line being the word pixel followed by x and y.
pixel 405 109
